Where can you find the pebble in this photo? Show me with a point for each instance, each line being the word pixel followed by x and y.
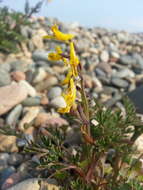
pixel 106 67
pixel 139 60
pixel 18 65
pixel 54 92
pixel 127 60
pixel 30 89
pixel 30 115
pixel 29 184
pixel 5 67
pixel 13 179
pixel 104 56
pixel 40 75
pixel 3 160
pixel 32 101
pixel 4 78
pixel 42 118
pixel 44 85
pixel 18 76
pixel 15 159
pixel 40 55
pixel 124 73
pixel 8 143
pixel 58 102
pixel 13 117
pixel 11 95
pixel 5 174
pixel 114 54
pixel 119 82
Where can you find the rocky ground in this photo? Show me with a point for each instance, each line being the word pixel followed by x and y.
pixel 30 90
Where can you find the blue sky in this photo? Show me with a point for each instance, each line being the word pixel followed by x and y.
pixel 114 14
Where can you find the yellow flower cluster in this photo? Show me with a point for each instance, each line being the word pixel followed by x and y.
pixel 70 94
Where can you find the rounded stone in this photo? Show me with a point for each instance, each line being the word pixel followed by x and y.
pixel 29 184
pixel 4 78
pixel 54 92
pixel 58 102
pixel 15 159
pixel 104 56
pixel 18 75
pixel 32 101
pixel 14 115
pixel 119 82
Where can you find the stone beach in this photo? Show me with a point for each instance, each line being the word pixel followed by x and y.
pixel 30 90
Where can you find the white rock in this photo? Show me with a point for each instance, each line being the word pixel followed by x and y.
pixel 58 102
pixel 40 76
pixel 104 56
pixel 30 89
pixel 30 115
pixel 54 92
pixel 11 95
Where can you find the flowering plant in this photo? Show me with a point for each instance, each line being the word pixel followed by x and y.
pixel 102 158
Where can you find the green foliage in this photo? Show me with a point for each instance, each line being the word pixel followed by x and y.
pixel 10 26
pixel 87 169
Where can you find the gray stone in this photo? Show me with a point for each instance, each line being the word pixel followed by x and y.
pixel 44 85
pixel 112 101
pixel 5 78
pixel 127 60
pixel 58 102
pixel 139 60
pixel 109 90
pixel 119 82
pixel 14 115
pixel 40 55
pixel 15 159
pixel 5 174
pixel 100 72
pixel 21 143
pixel 137 99
pixel 5 67
pixel 40 75
pixel 29 184
pixel 32 101
pixel 18 66
pixel 54 92
pixel 3 160
pixel 124 73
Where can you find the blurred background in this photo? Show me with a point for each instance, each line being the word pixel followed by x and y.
pixel 122 15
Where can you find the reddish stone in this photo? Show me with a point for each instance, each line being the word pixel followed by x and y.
pixel 18 75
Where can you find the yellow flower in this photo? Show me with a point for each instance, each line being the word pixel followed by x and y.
pixel 74 61
pixel 69 97
pixel 68 77
pixel 57 56
pixel 58 35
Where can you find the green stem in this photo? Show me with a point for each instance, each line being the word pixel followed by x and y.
pixel 85 103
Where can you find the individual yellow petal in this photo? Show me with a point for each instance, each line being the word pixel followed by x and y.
pixel 69 97
pixel 74 61
pixel 59 35
pixel 59 50
pixel 56 56
pixel 67 79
